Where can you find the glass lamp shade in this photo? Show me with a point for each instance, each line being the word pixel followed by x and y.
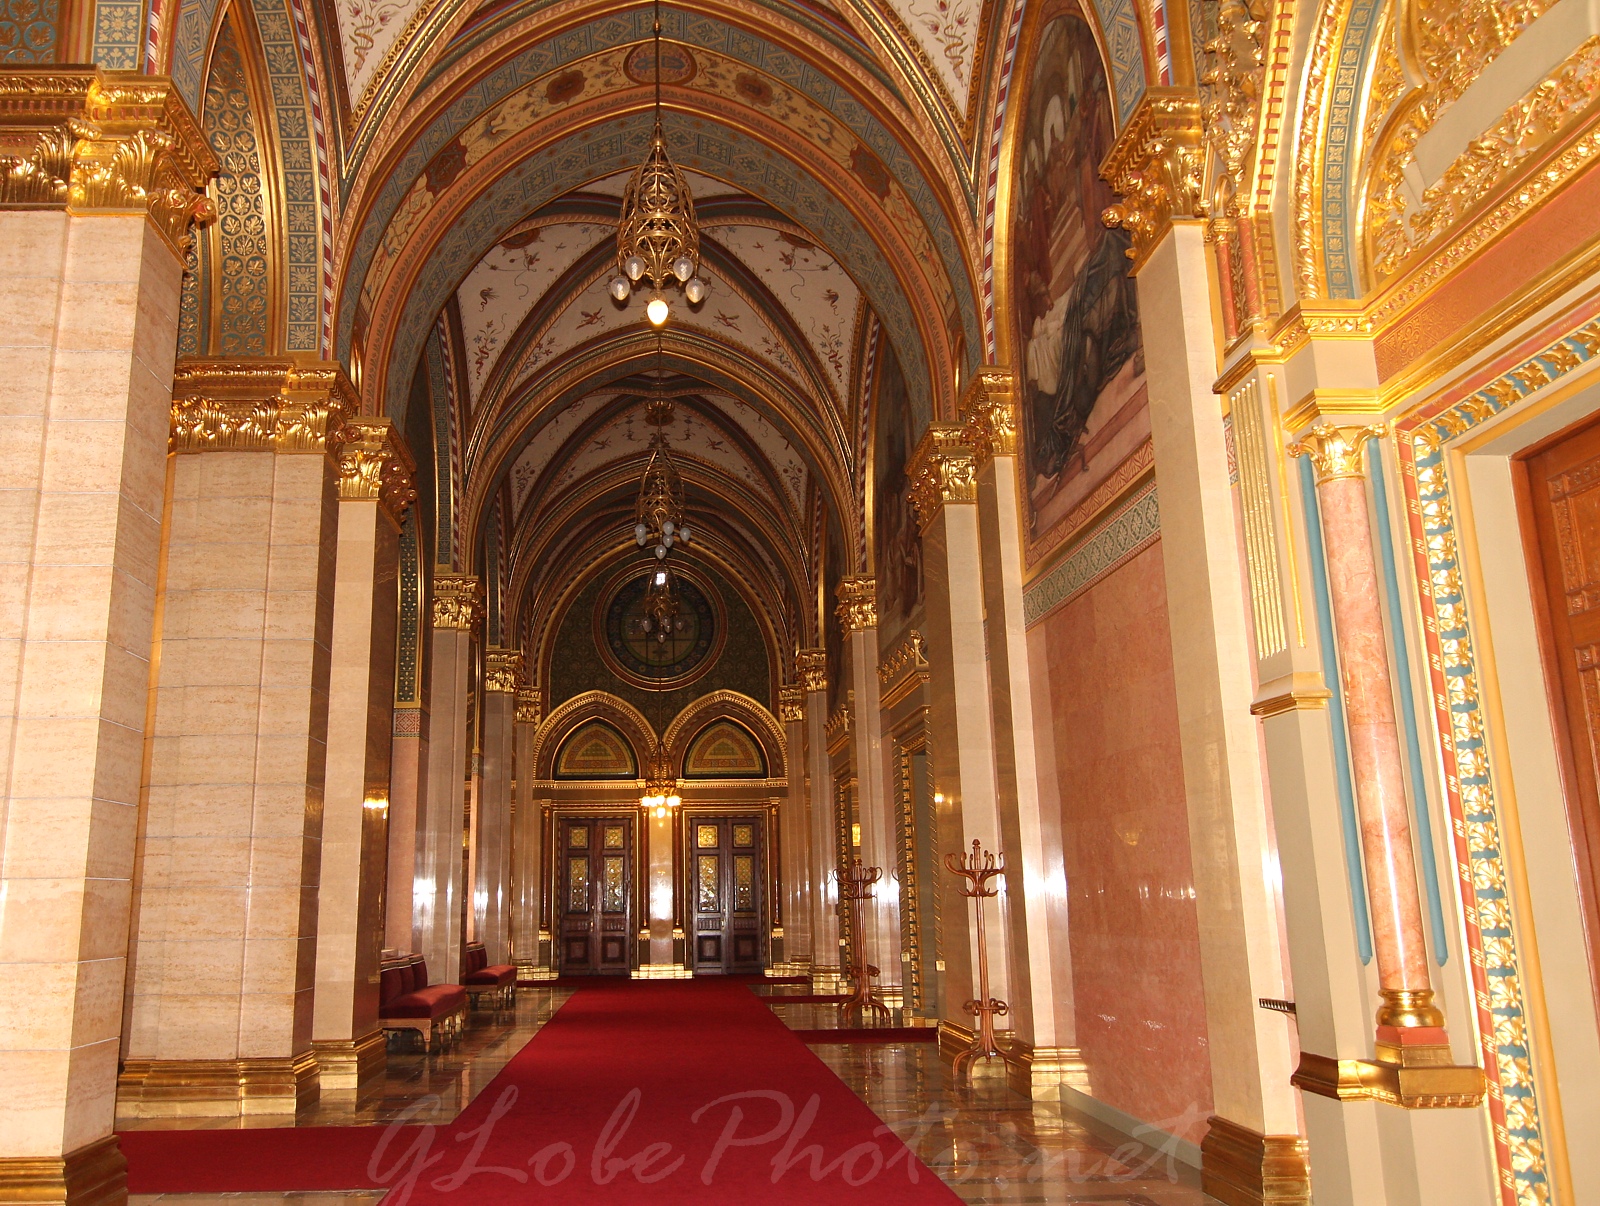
pixel 683 534
pixel 641 533
pixel 669 527
pixel 695 291
pixel 656 311
pixel 620 288
pixel 634 267
pixel 683 267
pixel 661 552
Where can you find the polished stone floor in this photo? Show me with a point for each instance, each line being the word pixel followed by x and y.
pixel 991 1145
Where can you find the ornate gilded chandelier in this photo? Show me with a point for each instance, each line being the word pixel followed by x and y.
pixel 658 518
pixel 657 240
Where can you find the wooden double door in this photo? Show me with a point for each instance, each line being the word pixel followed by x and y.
pixel 727 869
pixel 595 874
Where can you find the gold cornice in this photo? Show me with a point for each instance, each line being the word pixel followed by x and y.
pixel 1322 404
pixel 261 405
pixel 457 601
pixel 1156 166
pixel 811 669
pixel 93 141
pixel 791 704
pixel 1336 452
pixel 989 414
pixel 941 471
pixel 374 463
pixel 502 668
pixel 858 603
pixel 530 704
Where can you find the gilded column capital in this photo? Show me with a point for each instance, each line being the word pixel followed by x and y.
pixel 941 471
pixel 1336 452
pixel 811 669
pixel 530 704
pixel 502 670
pixel 858 603
pixel 1157 166
pixel 261 404
pixel 457 601
pixel 92 141
pixel 374 463
pixel 989 414
pixel 792 704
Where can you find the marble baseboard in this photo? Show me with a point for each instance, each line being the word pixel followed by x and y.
pixel 1135 1128
pixel 216 1088
pixel 93 1175
pixel 350 1064
pixel 1241 1167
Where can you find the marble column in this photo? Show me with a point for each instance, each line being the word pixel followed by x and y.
pixel 1407 1016
pixel 1046 1054
pixel 374 489
pixel 408 758
pixel 858 620
pixel 794 835
pixel 492 883
pixel 225 934
pixel 527 950
pixel 960 728
pixel 441 871
pixel 811 675
pixel 88 325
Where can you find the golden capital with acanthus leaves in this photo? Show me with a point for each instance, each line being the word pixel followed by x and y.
pixel 374 463
pixel 502 670
pixel 989 414
pixel 792 704
pixel 92 141
pixel 530 704
pixel 1336 452
pixel 1157 167
pixel 261 404
pixel 811 669
pixel 457 601
pixel 941 471
pixel 858 603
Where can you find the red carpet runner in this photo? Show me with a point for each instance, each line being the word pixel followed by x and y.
pixel 658 1092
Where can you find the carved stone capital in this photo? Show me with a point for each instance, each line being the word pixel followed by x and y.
pixel 261 404
pixel 792 704
pixel 530 704
pixel 811 669
pixel 502 670
pixel 941 471
pixel 92 141
pixel 989 414
pixel 374 462
pixel 1157 166
pixel 1336 451
pixel 457 601
pixel 858 603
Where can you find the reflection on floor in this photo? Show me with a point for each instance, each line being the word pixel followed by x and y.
pixel 991 1145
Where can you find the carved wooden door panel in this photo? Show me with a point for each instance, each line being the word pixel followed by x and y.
pixel 595 877
pixel 727 868
pixel 1561 530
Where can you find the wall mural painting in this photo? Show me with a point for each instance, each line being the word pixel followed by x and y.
pixel 1084 396
pixel 833 573
pixel 896 536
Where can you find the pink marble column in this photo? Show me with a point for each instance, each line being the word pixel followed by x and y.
pixel 1407 1015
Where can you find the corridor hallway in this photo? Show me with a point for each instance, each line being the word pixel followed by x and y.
pixel 639 1081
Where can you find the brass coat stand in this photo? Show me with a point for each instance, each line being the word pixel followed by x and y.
pixel 855 885
pixel 978 869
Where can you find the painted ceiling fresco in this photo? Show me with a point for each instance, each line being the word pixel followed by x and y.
pixel 946 31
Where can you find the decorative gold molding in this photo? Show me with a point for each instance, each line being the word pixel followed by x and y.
pixel 989 414
pixel 904 670
pixel 1320 405
pixel 811 669
pixel 858 603
pixel 1157 166
pixel 93 141
pixel 502 669
pixel 941 471
pixel 261 404
pixel 160 1088
pixel 530 704
pixel 374 463
pixel 837 728
pixel 1336 451
pixel 792 704
pixel 457 601
pixel 1426 1083
pixel 93 1175
pixel 1242 1167
pixel 1300 691
pixel 350 1063
pixel 1039 1072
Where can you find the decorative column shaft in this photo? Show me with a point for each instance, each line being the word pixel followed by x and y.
pixel 811 676
pixel 492 879
pixel 526 944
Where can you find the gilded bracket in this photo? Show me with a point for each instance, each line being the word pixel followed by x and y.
pixel 502 670
pixel 1158 167
pixel 989 414
pixel 791 704
pixel 374 463
pixel 858 603
pixel 301 405
pixel 457 602
pixel 942 470
pixel 530 704
pixel 811 669
pixel 1423 1081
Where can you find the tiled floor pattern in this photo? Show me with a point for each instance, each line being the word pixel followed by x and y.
pixel 991 1145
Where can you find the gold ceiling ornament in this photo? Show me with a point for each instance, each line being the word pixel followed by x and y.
pixel 1156 166
pixel 658 518
pixel 502 670
pixel 657 238
pixel 374 463
pixel 858 603
pixel 1336 452
pixel 88 140
pixel 941 471
pixel 792 703
pixel 261 404
pixel 989 414
pixel 457 602
pixel 811 669
pixel 530 704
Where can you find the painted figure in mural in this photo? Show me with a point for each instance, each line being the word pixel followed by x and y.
pixel 899 546
pixel 1078 315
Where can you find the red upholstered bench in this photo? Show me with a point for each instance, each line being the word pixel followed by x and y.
pixel 481 979
pixel 406 1001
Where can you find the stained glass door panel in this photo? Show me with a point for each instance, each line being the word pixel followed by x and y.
pixel 595 866
pixel 727 868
